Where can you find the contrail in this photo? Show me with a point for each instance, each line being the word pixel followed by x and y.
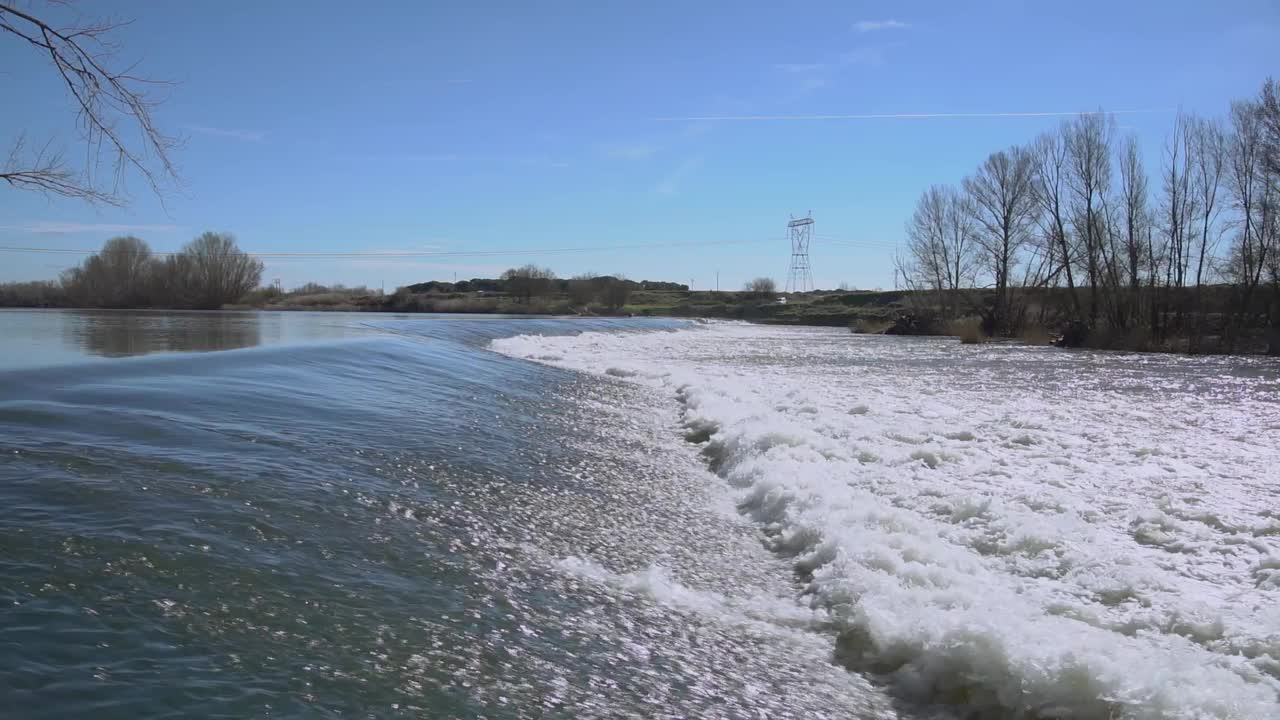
pixel 909 116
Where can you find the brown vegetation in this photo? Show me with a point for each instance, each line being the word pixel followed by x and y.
pixel 968 329
pixel 762 287
pixel 208 273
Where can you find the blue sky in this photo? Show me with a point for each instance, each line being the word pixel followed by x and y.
pixel 451 127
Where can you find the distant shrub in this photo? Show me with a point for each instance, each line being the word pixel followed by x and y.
pixel 462 305
pixel 968 329
pixel 761 287
pixel 32 294
pixel 262 296
pixel 870 326
pixel 1033 334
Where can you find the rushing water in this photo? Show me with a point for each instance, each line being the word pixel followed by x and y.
pixel 325 515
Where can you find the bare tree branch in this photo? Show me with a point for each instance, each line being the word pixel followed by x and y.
pixel 113 115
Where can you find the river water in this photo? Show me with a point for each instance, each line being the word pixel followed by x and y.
pixel 328 515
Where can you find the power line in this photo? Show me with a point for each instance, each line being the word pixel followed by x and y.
pixel 829 240
pixel 411 253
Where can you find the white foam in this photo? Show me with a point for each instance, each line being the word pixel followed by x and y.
pixel 1012 529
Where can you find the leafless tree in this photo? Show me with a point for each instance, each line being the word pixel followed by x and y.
pixel 117 276
pixel 1269 111
pixel 1134 196
pixel 114 109
pixel 209 272
pixel 1179 203
pixel 1254 198
pixel 960 239
pixel 940 241
pixel 762 287
pixel 1208 159
pixel 212 271
pixel 926 235
pixel 615 291
pixel 1050 184
pixel 1136 212
pixel 1004 208
pixel 1088 141
pixel 528 281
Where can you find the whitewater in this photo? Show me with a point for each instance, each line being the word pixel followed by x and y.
pixel 1013 531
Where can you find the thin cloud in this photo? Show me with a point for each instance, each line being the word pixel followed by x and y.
pixel 71 228
pixel 243 135
pixel 670 185
pixel 864 26
pixel 911 116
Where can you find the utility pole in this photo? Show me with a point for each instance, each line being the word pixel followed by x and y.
pixel 799 274
pixel 717 281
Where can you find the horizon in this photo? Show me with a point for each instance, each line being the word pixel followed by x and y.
pixel 606 141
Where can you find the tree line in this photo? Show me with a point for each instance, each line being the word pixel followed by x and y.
pixel 209 272
pixel 1072 230
pixel 531 282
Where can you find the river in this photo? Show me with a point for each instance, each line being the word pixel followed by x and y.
pixel 359 515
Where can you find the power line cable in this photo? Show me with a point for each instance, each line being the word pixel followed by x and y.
pixel 410 253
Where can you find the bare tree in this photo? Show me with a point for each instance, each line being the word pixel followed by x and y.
pixel 615 291
pixel 113 114
pixel 926 243
pixel 1088 140
pixel 212 271
pixel 1253 198
pixel 1004 207
pixel 762 287
pixel 1179 201
pixel 528 281
pixel 1133 198
pixel 1050 184
pixel 1134 202
pixel 1269 111
pixel 1208 159
pixel 960 239
pixel 117 276
pixel 940 241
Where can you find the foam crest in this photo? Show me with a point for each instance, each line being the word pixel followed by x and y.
pixel 1025 532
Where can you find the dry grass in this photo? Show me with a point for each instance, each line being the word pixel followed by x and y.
pixel 1036 335
pixel 870 326
pixel 968 329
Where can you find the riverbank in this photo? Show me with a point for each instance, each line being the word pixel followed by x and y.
pixel 866 311
pixel 894 312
